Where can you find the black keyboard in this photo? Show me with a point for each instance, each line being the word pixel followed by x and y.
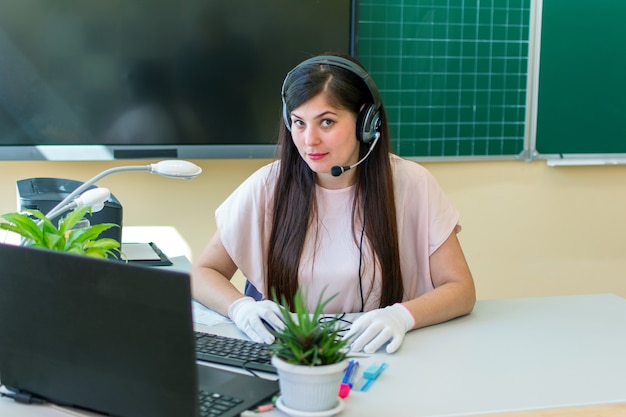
pixel 212 404
pixel 234 352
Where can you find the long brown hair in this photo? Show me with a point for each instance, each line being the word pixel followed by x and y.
pixel 294 196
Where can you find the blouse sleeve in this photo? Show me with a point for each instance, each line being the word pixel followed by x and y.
pixel 243 222
pixel 426 218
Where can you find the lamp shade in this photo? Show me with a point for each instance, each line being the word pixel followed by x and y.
pixel 176 169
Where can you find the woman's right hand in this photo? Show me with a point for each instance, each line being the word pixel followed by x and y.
pixel 252 318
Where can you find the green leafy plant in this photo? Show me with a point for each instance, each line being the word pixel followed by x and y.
pixel 308 338
pixel 64 238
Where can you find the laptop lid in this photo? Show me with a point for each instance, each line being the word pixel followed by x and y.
pixel 103 335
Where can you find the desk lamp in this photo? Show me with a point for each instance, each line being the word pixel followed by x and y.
pixel 169 168
pixel 40 192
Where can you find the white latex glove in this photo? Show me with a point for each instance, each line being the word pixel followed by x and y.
pixel 247 313
pixel 377 327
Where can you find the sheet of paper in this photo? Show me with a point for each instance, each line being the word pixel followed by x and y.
pixel 206 316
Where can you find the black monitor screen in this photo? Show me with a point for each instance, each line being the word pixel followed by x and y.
pixel 150 74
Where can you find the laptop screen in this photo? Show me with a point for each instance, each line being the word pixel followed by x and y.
pixel 99 334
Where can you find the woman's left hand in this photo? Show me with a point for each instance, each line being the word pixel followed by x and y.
pixel 377 327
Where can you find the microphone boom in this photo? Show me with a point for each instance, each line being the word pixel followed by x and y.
pixel 337 170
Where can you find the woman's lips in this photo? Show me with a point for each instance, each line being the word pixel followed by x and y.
pixel 316 156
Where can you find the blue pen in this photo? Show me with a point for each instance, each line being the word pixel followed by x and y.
pixel 348 372
pixel 355 368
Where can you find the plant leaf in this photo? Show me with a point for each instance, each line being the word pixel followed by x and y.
pixel 54 241
pixel 85 234
pixel 69 221
pixel 23 225
pixel 102 248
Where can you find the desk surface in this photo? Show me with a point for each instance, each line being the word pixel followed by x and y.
pixel 511 355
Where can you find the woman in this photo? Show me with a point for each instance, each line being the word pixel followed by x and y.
pixel 339 215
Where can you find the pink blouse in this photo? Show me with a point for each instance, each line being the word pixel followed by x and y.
pixel 330 259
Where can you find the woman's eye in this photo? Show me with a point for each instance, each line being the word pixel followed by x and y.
pixel 327 122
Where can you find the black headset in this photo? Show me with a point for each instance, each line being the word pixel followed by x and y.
pixel 368 120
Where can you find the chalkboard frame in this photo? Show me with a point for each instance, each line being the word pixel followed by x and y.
pixel 580 101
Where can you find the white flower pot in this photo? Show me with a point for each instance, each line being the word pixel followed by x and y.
pixel 309 388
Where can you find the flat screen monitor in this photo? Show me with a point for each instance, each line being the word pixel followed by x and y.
pixel 143 79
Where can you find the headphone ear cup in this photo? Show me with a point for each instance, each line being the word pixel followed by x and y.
pixel 286 118
pixel 368 124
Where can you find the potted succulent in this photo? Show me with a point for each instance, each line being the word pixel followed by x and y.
pixel 69 236
pixel 310 357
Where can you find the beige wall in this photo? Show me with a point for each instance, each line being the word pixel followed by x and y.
pixel 528 229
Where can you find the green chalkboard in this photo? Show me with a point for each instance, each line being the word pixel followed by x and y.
pixel 452 74
pixel 581 101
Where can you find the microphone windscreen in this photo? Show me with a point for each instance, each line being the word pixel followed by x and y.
pixel 336 171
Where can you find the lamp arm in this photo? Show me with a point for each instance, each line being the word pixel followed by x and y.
pixel 93 180
pixel 53 214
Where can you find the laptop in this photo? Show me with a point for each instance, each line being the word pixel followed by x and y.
pixel 107 336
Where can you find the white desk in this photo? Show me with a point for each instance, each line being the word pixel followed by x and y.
pixel 508 355
pixel 166 238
